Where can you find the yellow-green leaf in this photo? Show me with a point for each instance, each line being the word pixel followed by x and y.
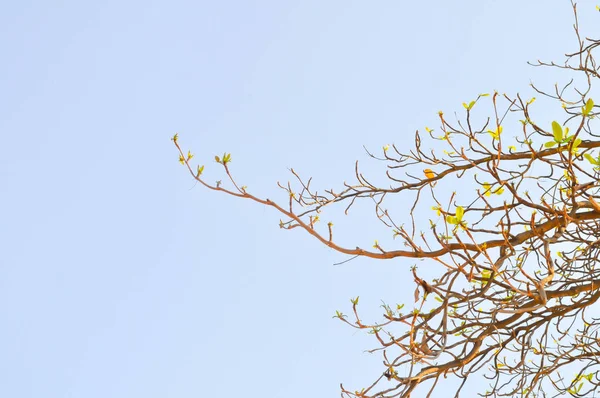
pixel 590 159
pixel 587 108
pixel 557 131
pixel 200 170
pixel 452 220
pixel 550 144
pixel 496 133
pixel 459 213
pixel 575 145
pixel 486 189
pixel 190 155
pixel 175 137
pixel 468 107
pixel 181 159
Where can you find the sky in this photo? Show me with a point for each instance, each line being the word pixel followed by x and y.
pixel 120 277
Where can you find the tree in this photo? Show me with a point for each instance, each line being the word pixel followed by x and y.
pixel 517 254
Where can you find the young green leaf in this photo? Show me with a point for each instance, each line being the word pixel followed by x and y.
pixel 595 162
pixel 575 145
pixel 587 108
pixel 557 131
pixel 496 133
pixel 487 189
pixel 459 213
pixel 468 107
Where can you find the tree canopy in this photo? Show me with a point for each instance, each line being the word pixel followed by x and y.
pixel 516 247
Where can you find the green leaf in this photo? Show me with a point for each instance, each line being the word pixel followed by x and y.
pixel 587 108
pixel 452 220
pixel 468 107
pixel 459 213
pixel 557 131
pixel 550 144
pixel 485 274
pixel 590 159
pixel 496 133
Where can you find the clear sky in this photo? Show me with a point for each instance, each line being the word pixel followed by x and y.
pixel 121 278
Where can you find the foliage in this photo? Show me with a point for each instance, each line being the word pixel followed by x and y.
pixel 518 255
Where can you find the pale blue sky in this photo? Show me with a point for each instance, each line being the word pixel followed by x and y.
pixel 119 277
